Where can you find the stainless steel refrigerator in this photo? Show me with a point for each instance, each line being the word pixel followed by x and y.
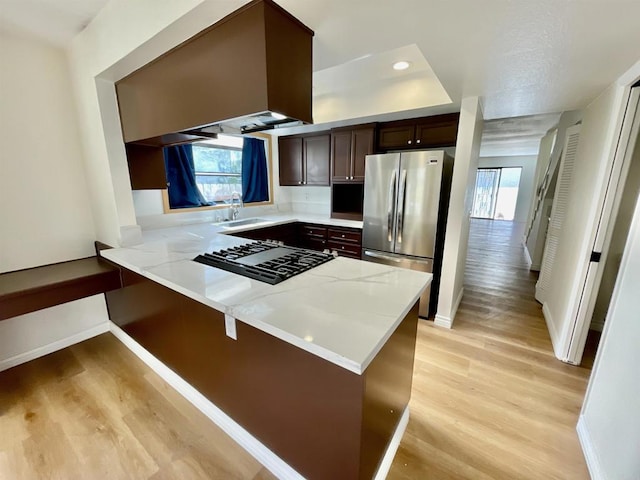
pixel 405 205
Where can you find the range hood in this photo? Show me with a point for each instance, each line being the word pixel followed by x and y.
pixel 230 78
pixel 246 124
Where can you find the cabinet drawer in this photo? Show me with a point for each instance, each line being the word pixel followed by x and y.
pixel 314 231
pixel 349 249
pixel 340 235
pixel 315 243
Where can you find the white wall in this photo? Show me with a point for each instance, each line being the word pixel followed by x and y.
pixel 600 123
pixel 44 199
pixel 542 163
pixel 525 190
pixel 35 334
pixel 460 204
pixel 609 425
pixel 122 38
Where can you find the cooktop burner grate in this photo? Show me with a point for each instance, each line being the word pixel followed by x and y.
pixel 265 261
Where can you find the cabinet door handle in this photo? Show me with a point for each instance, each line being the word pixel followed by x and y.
pixel 417 141
pixel 342 236
pixel 299 183
pixel 346 178
pixel 409 142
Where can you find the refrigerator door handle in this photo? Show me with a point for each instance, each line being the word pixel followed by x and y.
pixel 369 253
pixel 392 197
pixel 401 201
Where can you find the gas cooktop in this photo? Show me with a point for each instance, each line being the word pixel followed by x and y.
pixel 268 262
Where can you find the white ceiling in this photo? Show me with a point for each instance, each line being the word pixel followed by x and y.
pixel 516 135
pixel 56 21
pixel 522 57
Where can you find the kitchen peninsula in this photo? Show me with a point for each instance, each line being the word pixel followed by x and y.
pixel 318 368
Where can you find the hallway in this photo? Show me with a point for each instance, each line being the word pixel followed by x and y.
pixel 490 400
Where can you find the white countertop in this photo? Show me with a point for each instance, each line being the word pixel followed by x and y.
pixel 343 311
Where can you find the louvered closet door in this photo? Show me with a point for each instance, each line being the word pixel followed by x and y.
pixel 558 212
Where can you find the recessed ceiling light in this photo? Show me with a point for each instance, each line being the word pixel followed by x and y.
pixel 401 65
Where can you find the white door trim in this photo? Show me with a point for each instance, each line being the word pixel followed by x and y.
pixel 603 229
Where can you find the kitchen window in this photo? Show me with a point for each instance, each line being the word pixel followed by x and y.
pixel 218 172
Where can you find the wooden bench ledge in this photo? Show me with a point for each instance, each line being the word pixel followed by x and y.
pixel 25 291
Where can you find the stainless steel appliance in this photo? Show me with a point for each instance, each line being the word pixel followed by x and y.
pixel 405 206
pixel 268 262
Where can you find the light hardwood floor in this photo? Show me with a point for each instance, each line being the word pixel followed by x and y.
pixel 489 399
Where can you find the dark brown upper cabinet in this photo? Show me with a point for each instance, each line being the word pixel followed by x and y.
pixel 257 59
pixel 304 159
pixel 426 132
pixel 146 167
pixel 349 147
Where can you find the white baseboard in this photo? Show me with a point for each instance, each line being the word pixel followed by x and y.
pixel 261 453
pixel 266 457
pixel 442 321
pixel 447 321
pixel 53 346
pixel 553 333
pixel 392 448
pixel 590 454
pixel 526 253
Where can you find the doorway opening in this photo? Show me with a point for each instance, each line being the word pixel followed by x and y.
pixel 629 197
pixel 496 193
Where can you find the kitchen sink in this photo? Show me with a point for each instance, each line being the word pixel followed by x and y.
pixel 239 223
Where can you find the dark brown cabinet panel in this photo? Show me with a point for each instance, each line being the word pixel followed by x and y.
pixel 438 133
pixel 395 136
pixel 313 236
pixel 316 159
pixel 231 69
pixel 346 241
pixel 146 167
pixel 286 233
pixel 304 159
pixel 350 235
pixel 426 132
pixel 341 155
pixel 276 391
pixel 363 145
pixel 349 147
pixel 290 160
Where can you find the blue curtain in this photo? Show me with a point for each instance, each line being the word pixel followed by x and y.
pixel 255 179
pixel 181 177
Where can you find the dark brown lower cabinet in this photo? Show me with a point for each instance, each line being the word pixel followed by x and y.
pixel 346 241
pixel 286 233
pixel 323 420
pixel 313 237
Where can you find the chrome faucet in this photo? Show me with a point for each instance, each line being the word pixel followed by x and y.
pixel 235 211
